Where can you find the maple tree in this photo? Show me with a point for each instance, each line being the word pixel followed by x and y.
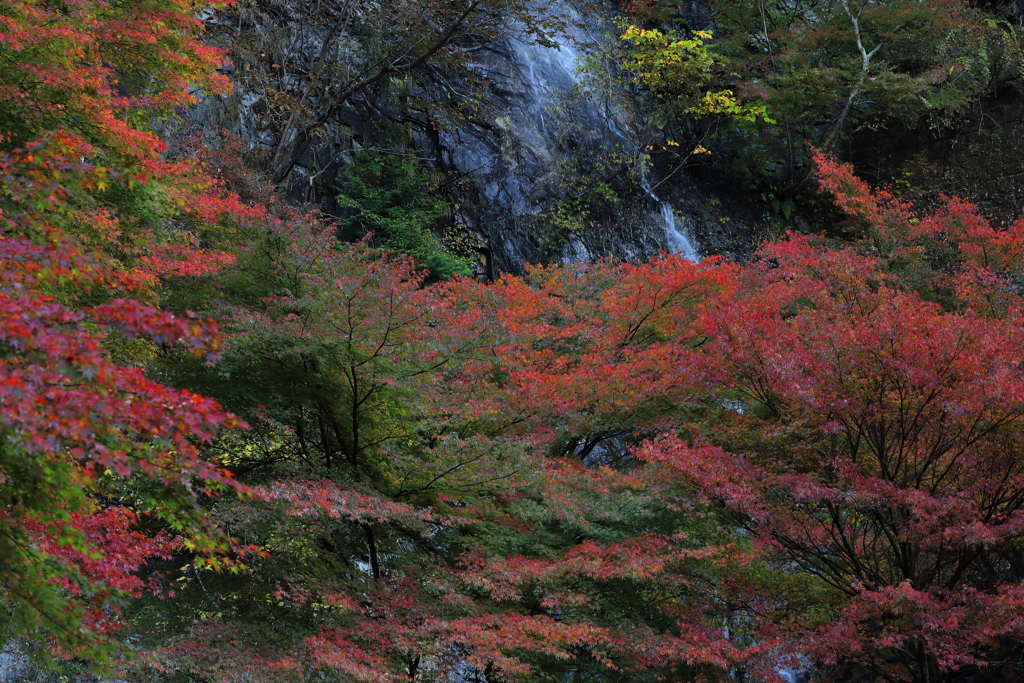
pixel 657 471
pixel 73 417
pixel 93 451
pixel 414 518
pixel 873 436
pixel 94 66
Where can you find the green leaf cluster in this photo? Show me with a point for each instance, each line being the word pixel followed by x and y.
pixel 388 196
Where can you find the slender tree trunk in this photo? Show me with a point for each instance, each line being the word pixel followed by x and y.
pixel 287 151
pixel 865 57
pixel 371 543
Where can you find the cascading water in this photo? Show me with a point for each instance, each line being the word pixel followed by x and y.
pixel 550 72
pixel 678 242
pixel 519 151
pixel 559 73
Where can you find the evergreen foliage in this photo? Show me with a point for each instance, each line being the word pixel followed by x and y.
pixel 387 196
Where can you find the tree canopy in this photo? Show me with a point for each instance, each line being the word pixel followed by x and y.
pixel 236 448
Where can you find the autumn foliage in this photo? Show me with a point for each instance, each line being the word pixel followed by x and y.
pixel 656 471
pixel 79 418
pixel 666 468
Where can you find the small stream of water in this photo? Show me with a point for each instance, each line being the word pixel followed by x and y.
pixel 549 73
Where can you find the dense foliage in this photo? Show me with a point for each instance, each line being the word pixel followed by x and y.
pixel 236 448
pixel 821 72
pixel 92 449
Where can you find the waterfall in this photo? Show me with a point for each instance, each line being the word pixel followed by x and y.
pixel 550 72
pixel 677 240
pixel 541 110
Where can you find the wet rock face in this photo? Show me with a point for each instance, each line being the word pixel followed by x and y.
pixel 520 150
pixel 15 666
pixel 505 153
pixel 528 142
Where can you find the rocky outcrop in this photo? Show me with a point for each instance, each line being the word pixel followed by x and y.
pixel 545 163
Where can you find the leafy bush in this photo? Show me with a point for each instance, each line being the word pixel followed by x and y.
pixel 389 196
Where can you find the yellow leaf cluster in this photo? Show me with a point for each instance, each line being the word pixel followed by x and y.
pixel 682 69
